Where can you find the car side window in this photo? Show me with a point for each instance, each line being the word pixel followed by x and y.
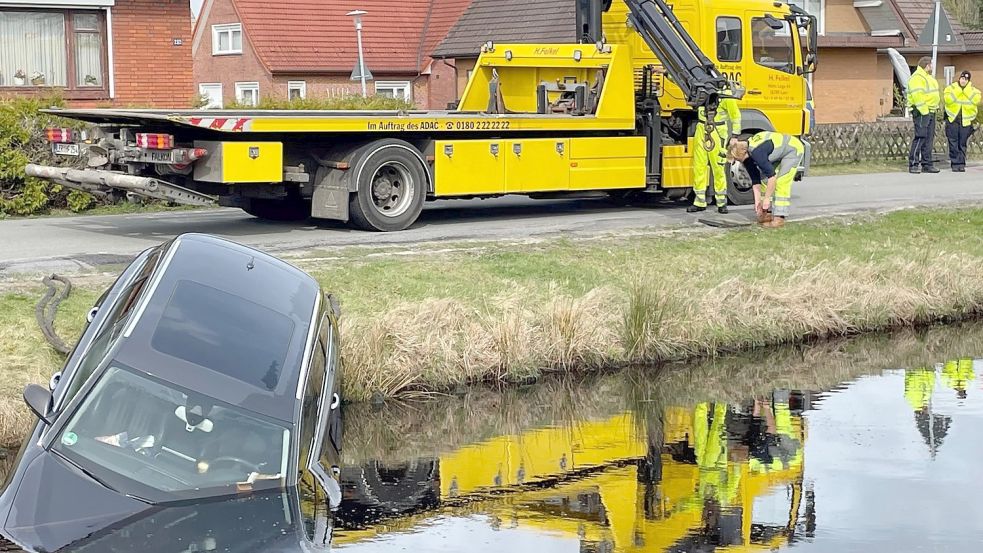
pixel 112 328
pixel 729 46
pixel 311 403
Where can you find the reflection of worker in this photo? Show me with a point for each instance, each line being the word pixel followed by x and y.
pixel 923 97
pixel 710 445
pixel 918 386
pixel 958 375
pixel 723 130
pixel 779 448
pixel 771 159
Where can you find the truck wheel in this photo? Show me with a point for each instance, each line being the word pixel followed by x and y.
pixel 292 209
pixel 392 186
pixel 739 192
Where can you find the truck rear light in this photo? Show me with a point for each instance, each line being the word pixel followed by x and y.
pixel 198 153
pixel 155 141
pixel 59 136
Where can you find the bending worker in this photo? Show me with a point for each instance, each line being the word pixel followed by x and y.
pixel 923 97
pixel 728 118
pixel 775 157
pixel 962 101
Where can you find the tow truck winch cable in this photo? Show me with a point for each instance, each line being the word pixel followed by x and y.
pixel 47 308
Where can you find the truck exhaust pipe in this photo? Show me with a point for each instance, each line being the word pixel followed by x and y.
pixel 98 181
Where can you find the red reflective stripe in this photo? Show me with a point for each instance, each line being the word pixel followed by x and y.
pixel 240 124
pixel 195 121
pixel 217 124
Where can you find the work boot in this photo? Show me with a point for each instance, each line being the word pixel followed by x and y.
pixel 722 209
pixel 775 222
pixel 765 217
pixel 914 170
pixel 930 169
pixel 695 209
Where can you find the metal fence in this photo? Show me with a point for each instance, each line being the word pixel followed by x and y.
pixel 879 141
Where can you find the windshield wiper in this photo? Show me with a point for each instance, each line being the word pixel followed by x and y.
pixel 95 478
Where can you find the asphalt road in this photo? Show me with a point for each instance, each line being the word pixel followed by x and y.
pixel 64 243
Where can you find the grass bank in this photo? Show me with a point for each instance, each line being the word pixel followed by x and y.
pixel 428 320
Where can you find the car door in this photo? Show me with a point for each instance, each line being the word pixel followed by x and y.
pixel 773 84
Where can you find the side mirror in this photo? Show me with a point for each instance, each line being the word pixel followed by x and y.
pixel 39 400
pixel 91 315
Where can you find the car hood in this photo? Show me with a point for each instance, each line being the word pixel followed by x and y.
pixel 56 504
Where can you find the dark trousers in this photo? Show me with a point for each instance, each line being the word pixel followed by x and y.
pixel 921 144
pixel 958 137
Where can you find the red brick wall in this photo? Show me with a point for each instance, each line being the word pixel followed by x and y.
pixel 149 69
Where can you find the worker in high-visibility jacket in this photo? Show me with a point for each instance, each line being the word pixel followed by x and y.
pixel 772 159
pixel 923 97
pixel 709 161
pixel 962 101
pixel 958 375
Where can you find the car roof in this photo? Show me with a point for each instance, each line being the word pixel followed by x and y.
pixel 223 320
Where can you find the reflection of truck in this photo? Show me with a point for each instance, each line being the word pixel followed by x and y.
pixel 589 481
pixel 615 113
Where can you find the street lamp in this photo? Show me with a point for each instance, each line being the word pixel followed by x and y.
pixel 357 14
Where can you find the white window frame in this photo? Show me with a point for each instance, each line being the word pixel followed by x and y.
pixel 300 86
pixel 949 74
pixel 243 87
pixel 820 17
pixel 226 28
pixel 221 94
pixel 406 86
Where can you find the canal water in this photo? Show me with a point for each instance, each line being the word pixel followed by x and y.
pixel 869 444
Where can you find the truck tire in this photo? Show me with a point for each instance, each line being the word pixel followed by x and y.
pixel 291 209
pixel 740 192
pixel 391 183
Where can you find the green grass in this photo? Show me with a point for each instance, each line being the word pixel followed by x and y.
pixel 429 320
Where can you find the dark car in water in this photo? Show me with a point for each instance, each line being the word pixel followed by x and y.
pixel 208 372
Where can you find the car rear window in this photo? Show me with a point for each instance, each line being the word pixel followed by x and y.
pixel 225 333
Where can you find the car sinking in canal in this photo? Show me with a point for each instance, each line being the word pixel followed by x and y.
pixel 208 372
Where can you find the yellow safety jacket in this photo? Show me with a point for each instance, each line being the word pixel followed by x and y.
pixel 728 114
pixel 918 387
pixel 962 101
pixel 923 92
pixel 958 375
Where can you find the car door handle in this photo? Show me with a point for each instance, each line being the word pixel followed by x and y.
pixel 754 91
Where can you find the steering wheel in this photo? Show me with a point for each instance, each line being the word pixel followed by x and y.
pixel 229 459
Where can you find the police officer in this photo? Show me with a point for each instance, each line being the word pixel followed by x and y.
pixel 724 130
pixel 962 101
pixel 923 97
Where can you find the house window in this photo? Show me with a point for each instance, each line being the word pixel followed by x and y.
pixel 296 90
pixel 728 39
pixel 247 94
pixel 949 74
pixel 226 39
pixel 815 8
pixel 394 89
pixel 773 48
pixel 54 48
pixel 213 93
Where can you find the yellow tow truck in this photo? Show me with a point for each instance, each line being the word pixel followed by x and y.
pixel 595 482
pixel 615 113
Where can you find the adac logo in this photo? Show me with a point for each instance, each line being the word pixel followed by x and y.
pixel 253 152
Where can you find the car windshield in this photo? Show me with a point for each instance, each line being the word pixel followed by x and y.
pixel 156 441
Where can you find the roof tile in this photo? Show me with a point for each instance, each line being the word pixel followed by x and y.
pixel 315 35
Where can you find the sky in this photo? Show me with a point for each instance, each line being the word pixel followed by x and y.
pixel 196 6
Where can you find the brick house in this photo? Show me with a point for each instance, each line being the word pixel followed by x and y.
pixel 245 50
pixel 855 80
pixel 98 52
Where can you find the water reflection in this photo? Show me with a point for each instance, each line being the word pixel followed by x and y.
pixel 808 448
pixel 866 444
